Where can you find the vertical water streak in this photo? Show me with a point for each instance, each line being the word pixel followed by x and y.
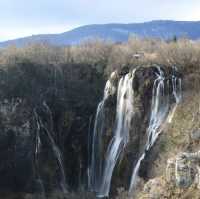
pixel 89 154
pixel 135 173
pixel 55 149
pixel 37 151
pixel 124 112
pixel 177 86
pixel 177 93
pixel 97 153
pixel 159 109
pixel 58 157
pixel 159 112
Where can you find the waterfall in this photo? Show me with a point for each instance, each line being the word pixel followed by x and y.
pixel 160 108
pixel 89 154
pixel 102 165
pixel 55 149
pixel 37 151
pixel 177 92
pixel 124 112
pixel 58 156
pixel 177 88
pixel 95 170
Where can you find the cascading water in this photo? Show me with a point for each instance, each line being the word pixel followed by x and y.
pixel 120 138
pixel 37 151
pixel 95 171
pixel 177 86
pixel 55 149
pixel 89 152
pixel 102 165
pixel 177 92
pixel 160 109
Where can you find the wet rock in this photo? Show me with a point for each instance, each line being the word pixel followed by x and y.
pixel 16 144
pixel 195 135
pixel 124 70
pixel 72 96
pixel 114 77
pixel 72 100
pixel 183 172
pixel 110 91
pixel 142 85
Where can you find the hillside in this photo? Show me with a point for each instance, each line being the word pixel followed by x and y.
pixel 165 29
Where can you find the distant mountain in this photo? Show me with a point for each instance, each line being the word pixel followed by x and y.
pixel 165 29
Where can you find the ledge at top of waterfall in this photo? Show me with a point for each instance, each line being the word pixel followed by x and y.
pixel 159 90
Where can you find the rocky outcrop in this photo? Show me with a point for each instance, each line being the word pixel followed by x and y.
pixel 195 135
pixel 16 143
pixel 180 181
pixel 183 170
pixel 143 81
pixel 40 128
pixel 63 98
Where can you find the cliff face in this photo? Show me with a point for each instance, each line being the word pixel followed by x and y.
pixel 171 168
pixel 175 172
pixel 47 122
pixel 45 115
pixel 128 122
pixel 16 143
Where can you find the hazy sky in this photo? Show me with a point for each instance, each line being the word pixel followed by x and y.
pixel 20 18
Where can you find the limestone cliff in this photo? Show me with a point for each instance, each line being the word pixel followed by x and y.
pixel 47 122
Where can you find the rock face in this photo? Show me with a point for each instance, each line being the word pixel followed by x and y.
pixel 46 121
pixel 183 170
pixel 125 138
pixel 181 179
pixel 195 135
pixel 61 100
pixel 16 142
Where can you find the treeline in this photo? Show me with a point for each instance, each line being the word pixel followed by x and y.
pixel 107 56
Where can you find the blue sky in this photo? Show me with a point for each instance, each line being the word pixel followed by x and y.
pixel 20 18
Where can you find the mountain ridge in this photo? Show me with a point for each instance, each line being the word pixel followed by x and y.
pixel 116 32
